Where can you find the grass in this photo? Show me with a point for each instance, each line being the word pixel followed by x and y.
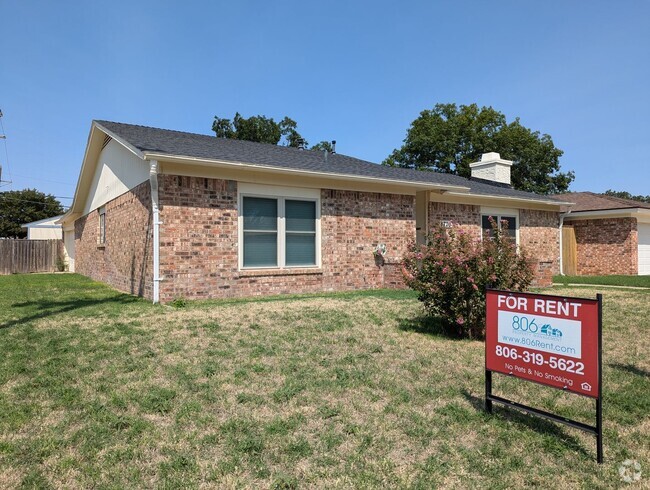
pixel 630 281
pixel 100 389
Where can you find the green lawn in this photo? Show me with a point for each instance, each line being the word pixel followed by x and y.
pixel 99 389
pixel 633 281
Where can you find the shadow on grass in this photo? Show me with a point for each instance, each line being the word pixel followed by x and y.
pixel 429 325
pixel 380 294
pixel 538 424
pixel 48 308
pixel 630 368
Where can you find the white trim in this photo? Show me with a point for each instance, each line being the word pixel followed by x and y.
pixel 289 171
pixel 277 190
pixel 44 220
pixel 507 163
pixel 93 150
pixel 643 249
pixel 281 194
pixel 42 227
pixel 641 214
pixel 511 198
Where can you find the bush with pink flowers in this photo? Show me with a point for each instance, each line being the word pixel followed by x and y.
pixel 453 270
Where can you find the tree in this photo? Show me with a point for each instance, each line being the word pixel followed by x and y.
pixel 627 195
pixel 20 207
pixel 448 138
pixel 323 146
pixel 260 129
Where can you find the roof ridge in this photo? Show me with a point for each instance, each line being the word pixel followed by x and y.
pixel 266 145
pixel 606 200
pixel 625 200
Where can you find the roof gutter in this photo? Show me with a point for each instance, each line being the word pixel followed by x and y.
pixel 612 213
pixel 518 199
pixel 306 173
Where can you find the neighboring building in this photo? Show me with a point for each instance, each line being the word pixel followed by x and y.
pixel 167 214
pixel 605 235
pixel 44 229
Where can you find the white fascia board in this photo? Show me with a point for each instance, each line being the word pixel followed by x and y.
pixel 64 219
pixel 515 199
pixel 639 213
pixel 84 164
pixel 54 219
pixel 308 173
pixel 94 129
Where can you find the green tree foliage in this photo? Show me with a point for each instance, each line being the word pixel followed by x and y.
pixel 20 207
pixel 453 270
pixel 260 129
pixel 323 146
pixel 448 138
pixel 627 195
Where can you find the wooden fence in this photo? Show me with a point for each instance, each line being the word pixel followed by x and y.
pixel 19 256
pixel 569 251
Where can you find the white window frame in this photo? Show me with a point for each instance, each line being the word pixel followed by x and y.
pixel 498 213
pixel 101 239
pixel 281 194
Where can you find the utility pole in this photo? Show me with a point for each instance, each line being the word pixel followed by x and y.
pixel 3 137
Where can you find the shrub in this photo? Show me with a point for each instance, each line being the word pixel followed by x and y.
pixel 453 270
pixel 60 264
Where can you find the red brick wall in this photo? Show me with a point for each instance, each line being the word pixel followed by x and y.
pixel 352 224
pixel 606 246
pixel 199 242
pixel 125 260
pixel 538 232
pixel 467 216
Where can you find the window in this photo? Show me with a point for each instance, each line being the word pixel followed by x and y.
pixel 278 232
pixel 260 232
pixel 300 232
pixel 102 226
pixel 506 223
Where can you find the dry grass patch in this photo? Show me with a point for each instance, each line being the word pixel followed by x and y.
pixel 333 391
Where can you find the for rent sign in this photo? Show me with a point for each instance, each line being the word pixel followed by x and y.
pixel 547 339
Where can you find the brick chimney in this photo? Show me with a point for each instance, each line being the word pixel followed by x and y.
pixel 492 167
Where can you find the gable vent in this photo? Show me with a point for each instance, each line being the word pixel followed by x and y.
pixel 107 140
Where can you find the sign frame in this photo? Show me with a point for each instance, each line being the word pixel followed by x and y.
pixel 490 398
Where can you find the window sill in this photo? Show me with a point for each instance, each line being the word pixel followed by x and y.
pixel 298 271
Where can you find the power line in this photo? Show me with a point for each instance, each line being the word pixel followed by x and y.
pixel 34 202
pixel 42 180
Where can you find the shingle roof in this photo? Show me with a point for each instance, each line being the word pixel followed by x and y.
pixel 589 201
pixel 178 143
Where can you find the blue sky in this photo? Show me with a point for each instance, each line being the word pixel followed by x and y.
pixel 357 72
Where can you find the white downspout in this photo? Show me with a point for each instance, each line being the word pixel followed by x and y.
pixel 153 180
pixel 561 259
pixel 562 216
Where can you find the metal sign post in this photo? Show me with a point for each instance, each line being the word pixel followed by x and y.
pixel 551 340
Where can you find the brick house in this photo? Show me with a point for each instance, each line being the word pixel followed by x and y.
pixel 166 214
pixel 605 235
